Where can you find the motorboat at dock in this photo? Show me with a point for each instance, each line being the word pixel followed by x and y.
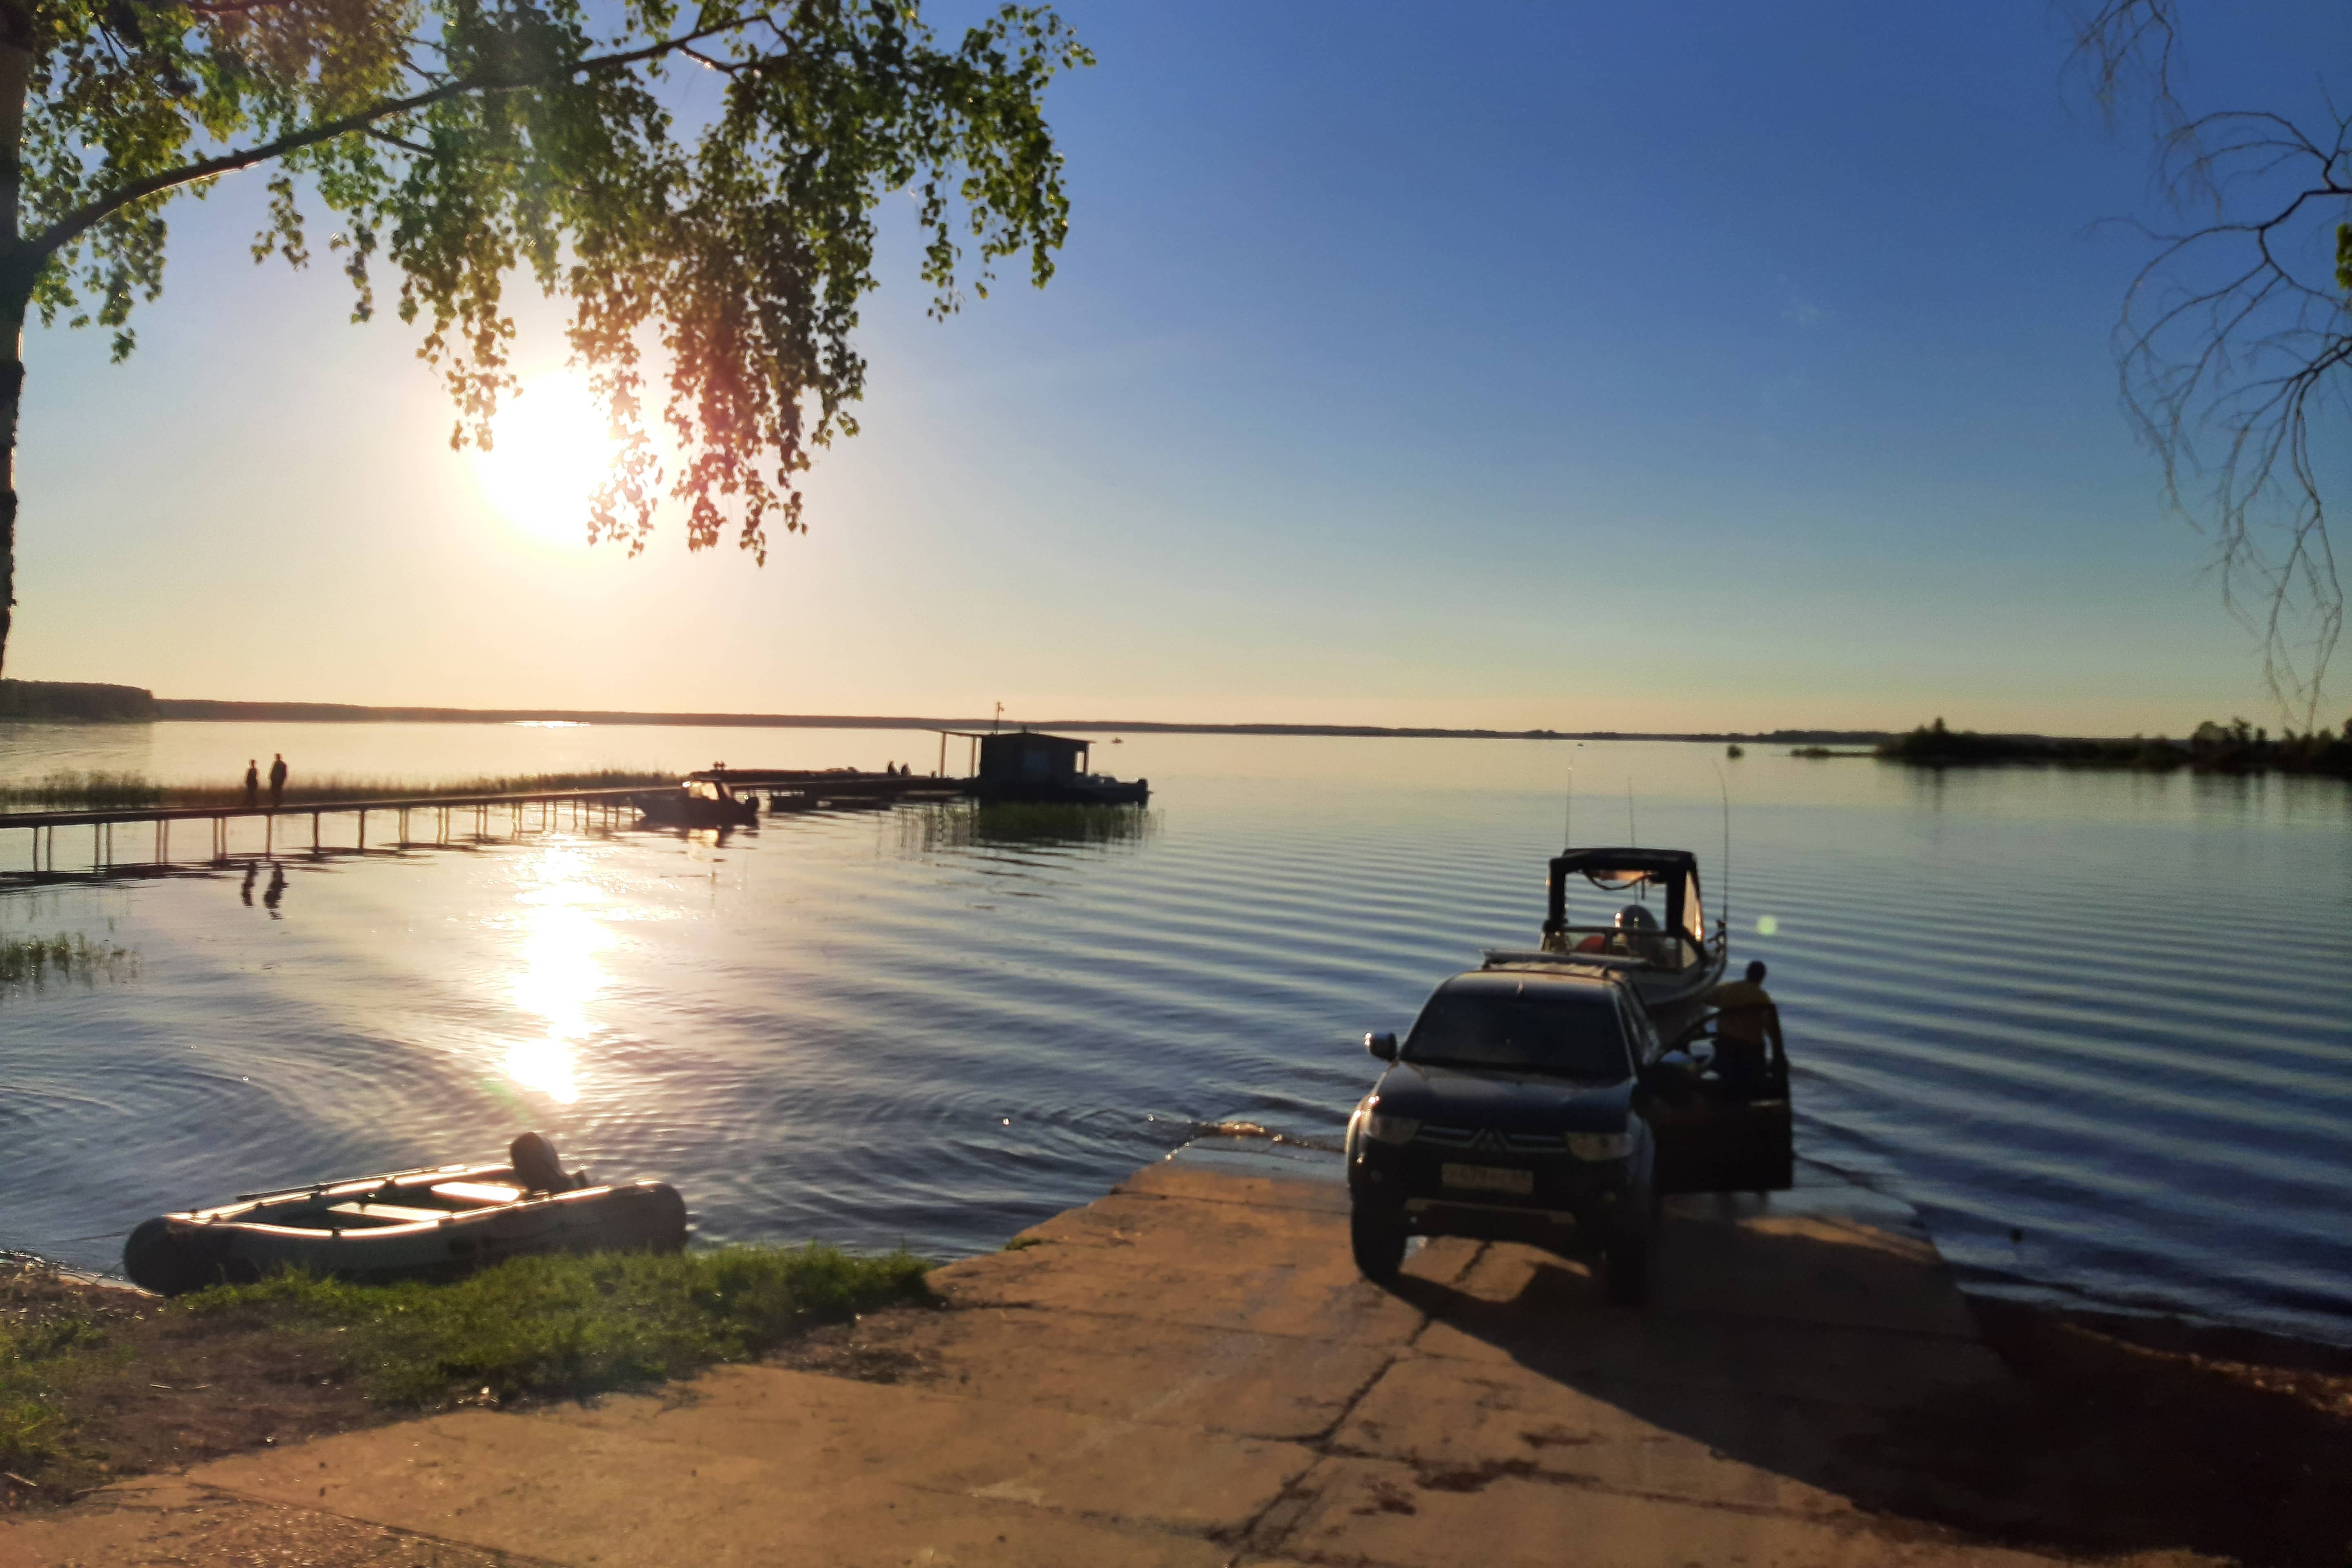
pixel 432 1224
pixel 698 803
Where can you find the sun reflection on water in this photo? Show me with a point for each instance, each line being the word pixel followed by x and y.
pixel 560 978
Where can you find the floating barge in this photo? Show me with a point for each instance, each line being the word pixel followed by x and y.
pixel 1031 766
pixel 1008 766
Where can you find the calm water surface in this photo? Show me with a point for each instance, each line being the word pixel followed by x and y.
pixel 2098 1026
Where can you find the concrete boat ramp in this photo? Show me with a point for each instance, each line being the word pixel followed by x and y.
pixel 1189 1372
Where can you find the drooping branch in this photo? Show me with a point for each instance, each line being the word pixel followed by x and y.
pixel 522 150
pixel 36 248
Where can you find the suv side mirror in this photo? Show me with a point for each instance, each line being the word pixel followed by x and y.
pixel 1382 1047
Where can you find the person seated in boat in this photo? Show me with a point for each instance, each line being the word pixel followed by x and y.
pixel 1747 1021
pixel 1637 934
pixel 536 1165
pixel 1632 921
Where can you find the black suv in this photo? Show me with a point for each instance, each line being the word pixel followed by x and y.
pixel 1538 1104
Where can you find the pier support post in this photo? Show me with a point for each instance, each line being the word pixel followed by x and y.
pixel 363 839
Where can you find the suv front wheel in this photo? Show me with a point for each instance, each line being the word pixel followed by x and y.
pixel 1377 1236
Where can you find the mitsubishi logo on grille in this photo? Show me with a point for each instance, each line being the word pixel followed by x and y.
pixel 1488 1139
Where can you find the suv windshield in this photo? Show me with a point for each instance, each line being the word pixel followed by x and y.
pixel 1560 1031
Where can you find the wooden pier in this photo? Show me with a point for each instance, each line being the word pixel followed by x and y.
pixel 789 789
pixel 552 808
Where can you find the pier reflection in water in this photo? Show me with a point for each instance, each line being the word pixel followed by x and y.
pixel 939 828
pixel 936 1023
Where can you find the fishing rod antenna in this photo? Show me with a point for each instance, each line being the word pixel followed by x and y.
pixel 1723 785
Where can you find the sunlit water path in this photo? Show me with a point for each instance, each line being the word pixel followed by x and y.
pixel 2098 1026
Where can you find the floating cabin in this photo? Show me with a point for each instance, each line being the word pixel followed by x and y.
pixel 1028 765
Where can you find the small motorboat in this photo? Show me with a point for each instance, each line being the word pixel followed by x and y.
pixel 433 1224
pixel 698 803
pixel 1671 962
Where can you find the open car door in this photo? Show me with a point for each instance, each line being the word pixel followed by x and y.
pixel 1717 1133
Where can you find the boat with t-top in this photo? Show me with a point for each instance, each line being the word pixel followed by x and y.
pixel 1657 937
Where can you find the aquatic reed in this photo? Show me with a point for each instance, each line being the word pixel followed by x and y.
pixel 31 962
pixel 74 790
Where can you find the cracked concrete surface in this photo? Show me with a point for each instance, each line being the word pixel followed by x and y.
pixel 1190 1371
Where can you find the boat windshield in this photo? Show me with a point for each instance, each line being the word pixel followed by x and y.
pixel 1650 950
pixel 1559 1031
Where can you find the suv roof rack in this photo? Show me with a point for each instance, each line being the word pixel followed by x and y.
pixel 1599 965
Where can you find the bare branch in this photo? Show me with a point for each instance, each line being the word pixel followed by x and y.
pixel 2234 335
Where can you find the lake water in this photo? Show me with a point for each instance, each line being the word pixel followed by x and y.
pixel 2098 1026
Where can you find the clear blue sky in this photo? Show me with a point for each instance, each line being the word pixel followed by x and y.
pixel 1575 364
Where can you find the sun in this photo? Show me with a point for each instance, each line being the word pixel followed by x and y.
pixel 551 447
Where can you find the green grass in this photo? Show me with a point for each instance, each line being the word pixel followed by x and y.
pixel 31 962
pixel 77 791
pixel 572 1325
pixel 34 1358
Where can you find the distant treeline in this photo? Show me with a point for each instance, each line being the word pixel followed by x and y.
pixel 78 699
pixel 2236 747
pixel 202 709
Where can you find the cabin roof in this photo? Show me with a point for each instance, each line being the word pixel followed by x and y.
pixel 1035 740
pixel 1629 860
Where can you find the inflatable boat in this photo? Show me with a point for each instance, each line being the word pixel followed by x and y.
pixel 433 1224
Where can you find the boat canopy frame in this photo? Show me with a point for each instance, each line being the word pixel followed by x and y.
pixel 1675 871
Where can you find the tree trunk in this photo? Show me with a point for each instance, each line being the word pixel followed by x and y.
pixel 16 284
pixel 11 396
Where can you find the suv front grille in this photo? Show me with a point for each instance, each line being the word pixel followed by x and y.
pixel 1487 1140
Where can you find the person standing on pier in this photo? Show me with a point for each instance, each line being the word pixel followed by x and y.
pixel 252 786
pixel 277 779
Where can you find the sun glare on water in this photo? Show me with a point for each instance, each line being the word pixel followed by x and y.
pixel 551 447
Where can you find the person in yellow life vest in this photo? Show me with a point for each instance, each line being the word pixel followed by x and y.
pixel 1746 1019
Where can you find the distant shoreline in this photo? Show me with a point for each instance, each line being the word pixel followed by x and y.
pixel 85 702
pixel 2211 749
pixel 178 709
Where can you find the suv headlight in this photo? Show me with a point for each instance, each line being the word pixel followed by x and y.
pixel 1601 1145
pixel 1382 1128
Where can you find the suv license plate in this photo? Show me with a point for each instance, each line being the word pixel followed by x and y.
pixel 1490 1179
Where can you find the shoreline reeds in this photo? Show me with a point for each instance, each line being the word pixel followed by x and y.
pixel 34 963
